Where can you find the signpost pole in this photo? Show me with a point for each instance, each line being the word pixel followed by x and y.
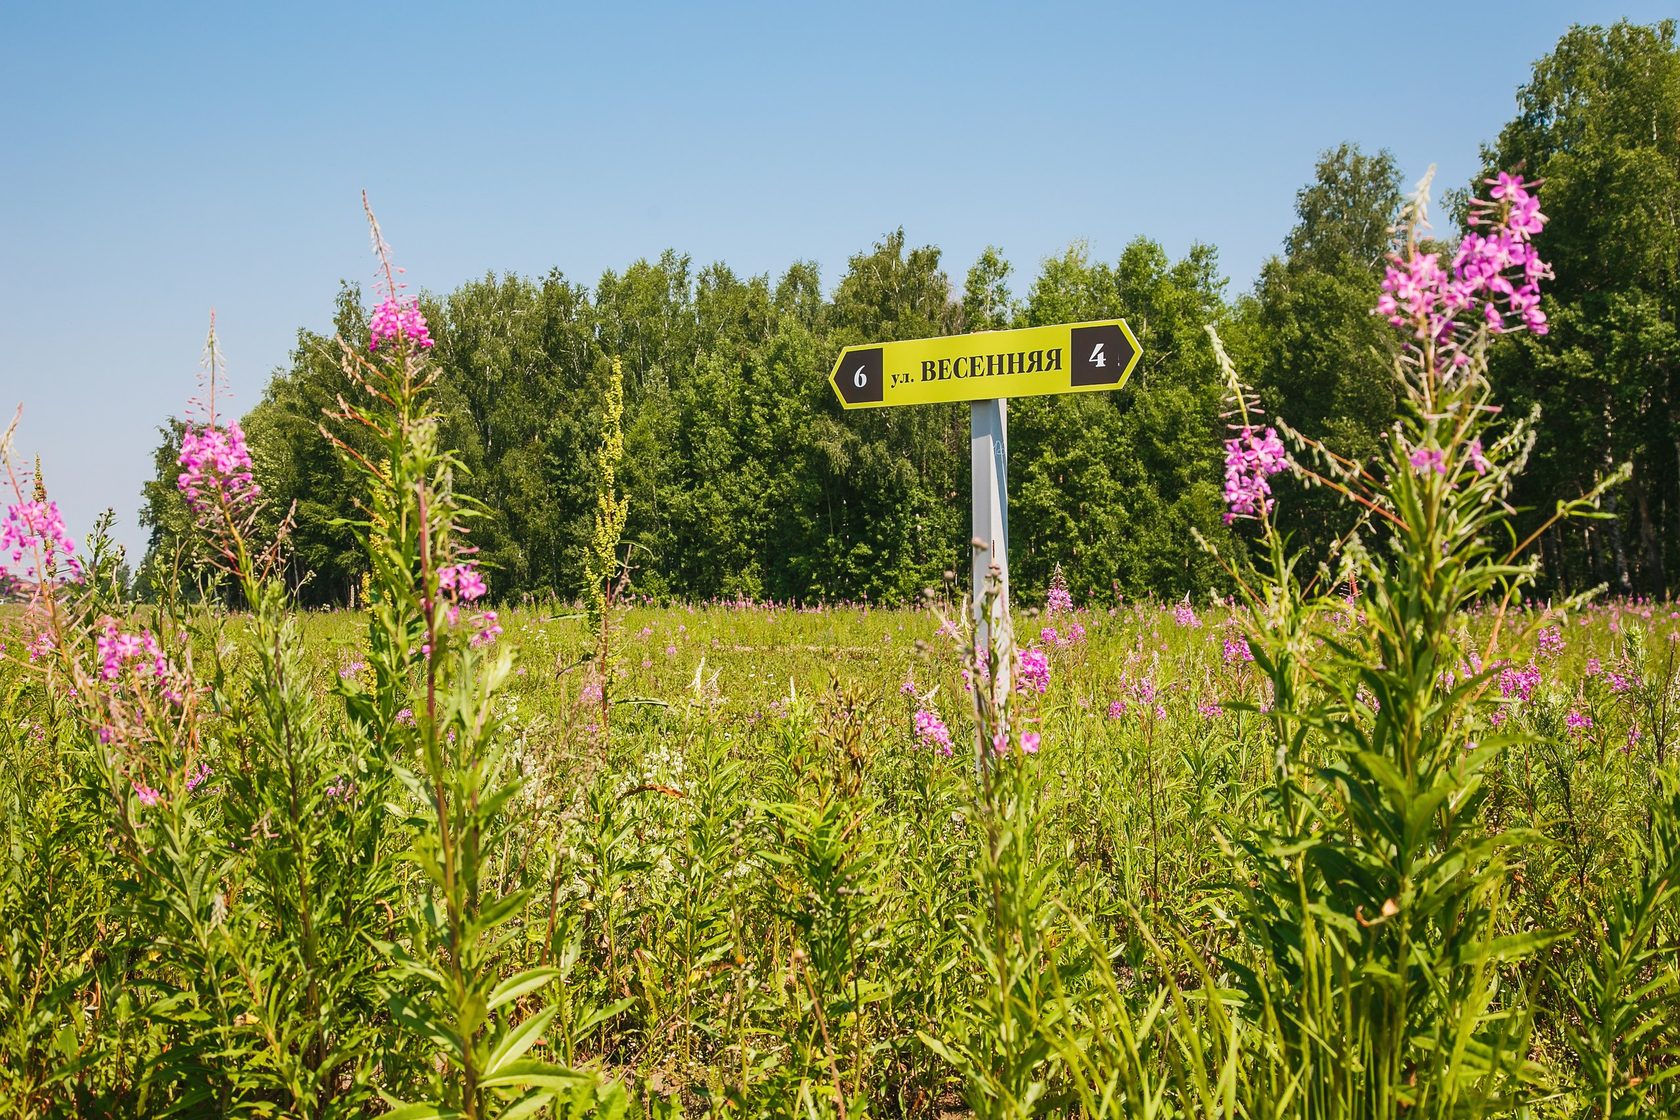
pixel 989 456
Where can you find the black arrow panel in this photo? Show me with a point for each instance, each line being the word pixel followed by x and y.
pixel 860 377
pixel 1100 355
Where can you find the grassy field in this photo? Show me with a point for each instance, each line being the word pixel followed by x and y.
pixel 761 884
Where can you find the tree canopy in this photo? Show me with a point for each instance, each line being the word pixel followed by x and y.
pixel 744 478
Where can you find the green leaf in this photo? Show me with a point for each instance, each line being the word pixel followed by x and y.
pixel 423 1111
pixel 534 1073
pixel 518 1040
pixel 521 984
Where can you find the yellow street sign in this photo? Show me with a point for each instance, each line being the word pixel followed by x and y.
pixel 1066 358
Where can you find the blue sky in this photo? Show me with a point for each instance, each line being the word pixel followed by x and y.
pixel 161 160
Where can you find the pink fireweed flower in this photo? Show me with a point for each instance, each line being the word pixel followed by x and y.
pixel 1058 601
pixel 147 795
pixel 463 581
pixel 1478 461
pixel 1236 650
pixel 931 730
pixel 215 468
pixel 198 776
pixel 138 653
pixel 1075 633
pixel 908 688
pixel 1594 666
pixel 1494 275
pixel 1578 721
pixel 1249 461
pixel 35 530
pixel 489 630
pixel 1116 709
pixel 1429 459
pixel 1210 709
pixel 1029 743
pixel 1185 615
pixel 1034 672
pixel 1550 643
pixel 1519 683
pixel 398 318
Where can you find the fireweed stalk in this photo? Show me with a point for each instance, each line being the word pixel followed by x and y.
pixel 450 755
pixel 1369 966
pixel 1000 1038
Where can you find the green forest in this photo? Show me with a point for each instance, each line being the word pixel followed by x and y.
pixel 745 480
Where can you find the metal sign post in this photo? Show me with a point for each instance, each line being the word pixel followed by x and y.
pixel 988 441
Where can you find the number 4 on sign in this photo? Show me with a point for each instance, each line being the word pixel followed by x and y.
pixel 1097 358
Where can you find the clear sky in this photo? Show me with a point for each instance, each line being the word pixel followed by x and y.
pixel 160 160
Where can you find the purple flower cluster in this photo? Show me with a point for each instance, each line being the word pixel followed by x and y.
pixel 1519 683
pixel 215 467
pixel 932 732
pixel 1034 672
pixel 1250 459
pixel 462 581
pixel 1478 461
pixel 1030 743
pixel 1050 636
pixel 35 529
pixel 1419 293
pixel 399 318
pixel 1236 650
pixel 139 652
pixel 1426 459
pixel 488 630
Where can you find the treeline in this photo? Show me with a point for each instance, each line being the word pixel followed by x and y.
pixel 745 479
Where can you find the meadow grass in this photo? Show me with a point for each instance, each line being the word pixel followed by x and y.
pixel 759 883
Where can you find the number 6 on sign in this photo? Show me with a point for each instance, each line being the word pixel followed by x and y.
pixel 864 385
